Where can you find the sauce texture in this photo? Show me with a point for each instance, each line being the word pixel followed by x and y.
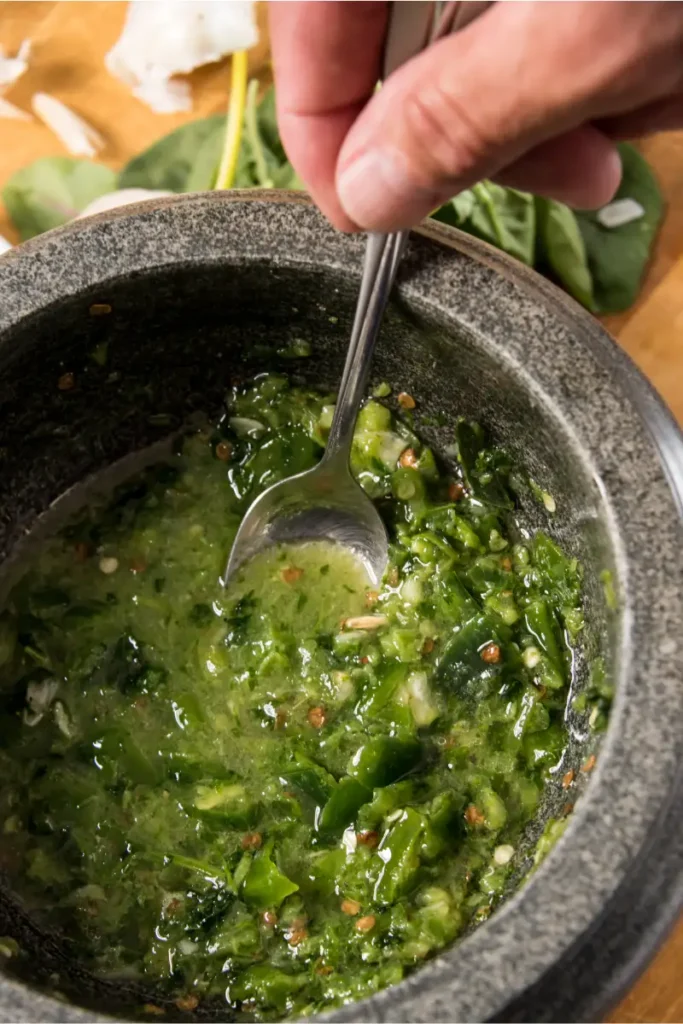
pixel 287 794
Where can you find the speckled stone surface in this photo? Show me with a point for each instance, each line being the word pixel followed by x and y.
pixel 200 288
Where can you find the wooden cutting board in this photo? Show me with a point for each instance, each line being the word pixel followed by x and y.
pixel 69 43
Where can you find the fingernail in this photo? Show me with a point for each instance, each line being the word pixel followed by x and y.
pixel 378 192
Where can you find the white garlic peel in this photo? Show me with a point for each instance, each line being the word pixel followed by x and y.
pixel 160 40
pixel 77 135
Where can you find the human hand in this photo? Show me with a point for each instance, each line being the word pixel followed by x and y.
pixel 531 94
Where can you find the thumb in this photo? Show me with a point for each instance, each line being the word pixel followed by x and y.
pixel 470 106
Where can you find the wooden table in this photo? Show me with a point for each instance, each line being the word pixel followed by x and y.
pixel 69 43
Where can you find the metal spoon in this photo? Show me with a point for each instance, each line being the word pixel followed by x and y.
pixel 326 503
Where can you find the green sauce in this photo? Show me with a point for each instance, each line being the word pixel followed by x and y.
pixel 284 795
pixel 307 589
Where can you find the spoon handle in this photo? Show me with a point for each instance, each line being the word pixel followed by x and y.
pixel 382 253
pixel 413 24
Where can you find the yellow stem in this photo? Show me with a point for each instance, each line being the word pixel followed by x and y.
pixel 235 121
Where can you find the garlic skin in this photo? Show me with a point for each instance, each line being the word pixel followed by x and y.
pixel 15 113
pixel 12 68
pixel 78 136
pixel 160 40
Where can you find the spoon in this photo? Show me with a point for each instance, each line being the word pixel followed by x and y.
pixel 326 503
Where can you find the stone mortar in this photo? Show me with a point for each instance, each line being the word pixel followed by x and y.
pixel 206 287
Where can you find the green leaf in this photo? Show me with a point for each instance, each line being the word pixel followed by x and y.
pixel 384 759
pixel 187 159
pixel 483 476
pixel 564 250
pixel 501 216
pixel 267 120
pixel 183 161
pixel 265 886
pixel 618 257
pixel 601 267
pixel 457 210
pixel 265 158
pixel 507 218
pixel 399 851
pixel 344 804
pixel 52 191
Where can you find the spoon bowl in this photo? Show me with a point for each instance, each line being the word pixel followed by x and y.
pixel 326 503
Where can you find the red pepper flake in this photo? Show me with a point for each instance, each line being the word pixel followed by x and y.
pixel 456 491
pixel 296 936
pixel 365 924
pixel 65 383
pixel 291 574
pixel 350 907
pixel 100 309
pixel 567 779
pixel 490 654
pixel 473 816
pixel 589 765
pixel 428 646
pixel 223 451
pixel 172 907
pixel 368 838
pixel 365 660
pixel 187 1003
pixel 251 841
pixel 405 400
pixel 317 717
pixel 567 809
pixel 408 458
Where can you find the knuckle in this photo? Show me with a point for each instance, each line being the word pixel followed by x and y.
pixel 450 141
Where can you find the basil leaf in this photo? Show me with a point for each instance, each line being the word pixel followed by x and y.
pixel 262 153
pixel 563 249
pixel 267 121
pixel 457 210
pixel 504 217
pixel 186 160
pixel 618 257
pixel 52 191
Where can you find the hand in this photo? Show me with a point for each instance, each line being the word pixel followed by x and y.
pixel 530 94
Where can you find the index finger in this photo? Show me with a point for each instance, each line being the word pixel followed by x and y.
pixel 327 59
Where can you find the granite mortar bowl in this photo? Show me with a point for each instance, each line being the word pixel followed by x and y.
pixel 207 288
